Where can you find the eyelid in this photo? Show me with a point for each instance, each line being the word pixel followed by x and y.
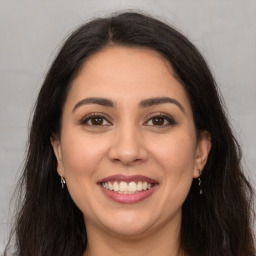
pixel 150 116
pixel 87 117
pixel 166 116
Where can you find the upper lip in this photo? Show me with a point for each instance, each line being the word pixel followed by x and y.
pixel 129 178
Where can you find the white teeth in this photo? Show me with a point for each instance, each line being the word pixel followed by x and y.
pixel 123 186
pixel 139 186
pixel 110 186
pixel 127 188
pixel 144 185
pixel 132 187
pixel 116 186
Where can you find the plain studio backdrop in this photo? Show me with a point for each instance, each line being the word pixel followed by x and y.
pixel 31 33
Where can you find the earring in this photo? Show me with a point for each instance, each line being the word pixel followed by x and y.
pixel 200 183
pixel 62 181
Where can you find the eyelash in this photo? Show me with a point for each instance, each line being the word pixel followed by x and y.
pixel 164 117
pixel 90 117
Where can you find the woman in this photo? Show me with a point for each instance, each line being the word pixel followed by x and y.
pixel 130 151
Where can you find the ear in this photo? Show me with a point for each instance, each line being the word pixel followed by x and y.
pixel 56 145
pixel 203 148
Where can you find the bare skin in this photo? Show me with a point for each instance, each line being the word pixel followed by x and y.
pixel 126 115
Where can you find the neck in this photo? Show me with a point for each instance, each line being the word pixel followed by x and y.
pixel 164 242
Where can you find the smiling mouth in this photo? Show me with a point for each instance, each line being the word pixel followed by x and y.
pixel 123 187
pixel 128 189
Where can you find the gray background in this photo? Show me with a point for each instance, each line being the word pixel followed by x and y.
pixel 32 31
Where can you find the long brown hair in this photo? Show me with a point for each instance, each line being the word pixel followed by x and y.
pixel 218 222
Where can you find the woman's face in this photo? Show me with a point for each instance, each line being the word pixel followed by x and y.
pixel 128 147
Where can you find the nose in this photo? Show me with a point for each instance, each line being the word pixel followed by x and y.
pixel 127 147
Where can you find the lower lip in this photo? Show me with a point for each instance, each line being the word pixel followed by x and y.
pixel 128 198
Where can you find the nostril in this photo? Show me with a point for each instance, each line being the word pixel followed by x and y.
pixel 127 161
pixel 127 149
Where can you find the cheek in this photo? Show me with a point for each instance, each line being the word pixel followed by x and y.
pixel 81 154
pixel 176 156
pixel 175 153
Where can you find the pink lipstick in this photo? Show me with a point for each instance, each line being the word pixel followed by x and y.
pixel 127 189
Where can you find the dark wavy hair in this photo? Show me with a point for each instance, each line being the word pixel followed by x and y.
pixel 219 222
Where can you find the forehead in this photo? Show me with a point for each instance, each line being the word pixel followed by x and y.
pixel 126 73
pixel 115 61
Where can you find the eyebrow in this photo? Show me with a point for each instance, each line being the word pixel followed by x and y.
pixel 144 103
pixel 98 101
pixel 161 100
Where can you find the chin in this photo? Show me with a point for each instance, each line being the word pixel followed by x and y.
pixel 129 231
pixel 128 225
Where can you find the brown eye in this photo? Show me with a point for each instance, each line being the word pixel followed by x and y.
pixel 161 121
pixel 96 121
pixel 158 121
